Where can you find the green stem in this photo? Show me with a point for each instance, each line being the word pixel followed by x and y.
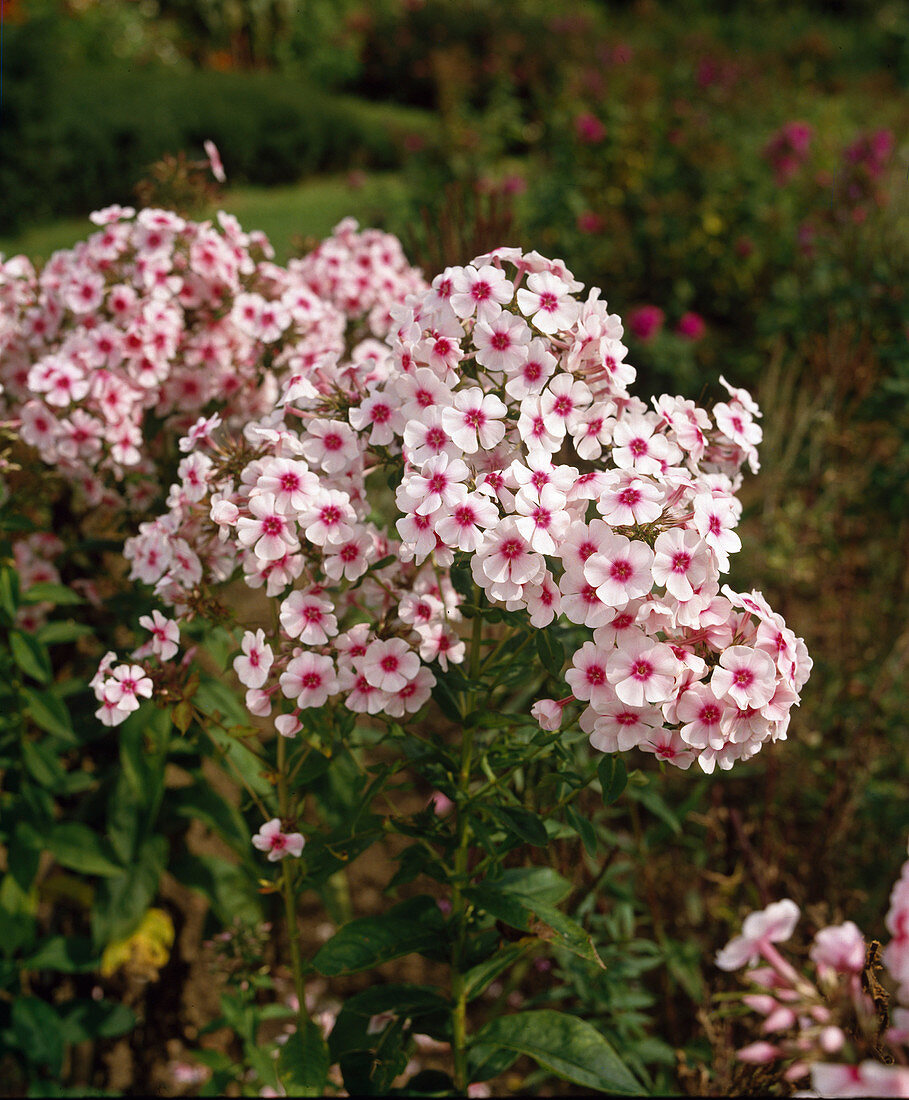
pixel 290 908
pixel 460 907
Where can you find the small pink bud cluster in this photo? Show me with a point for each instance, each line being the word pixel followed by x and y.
pixel 823 1027
pixel 34 559
pixel 788 150
pixel 363 273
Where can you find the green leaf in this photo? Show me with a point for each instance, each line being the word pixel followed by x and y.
pixel 201 802
pixel 43 764
pixel 229 889
pixel 524 824
pixel 48 711
pixel 66 954
pixel 121 902
pixel 583 828
pixel 304 1061
pixel 38 1032
pixel 540 883
pixel 534 917
pixel 76 846
pixel 9 592
pixel 45 592
pixel 85 1019
pixel 569 1047
pixel 551 652
pixel 613 777
pixel 413 927
pixel 30 656
pixel 653 801
pixel 480 976
pixel 404 999
pixel 57 633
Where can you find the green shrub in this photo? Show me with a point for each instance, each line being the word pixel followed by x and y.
pixel 75 137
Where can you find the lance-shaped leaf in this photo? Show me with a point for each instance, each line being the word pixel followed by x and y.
pixel 538 918
pixel 569 1047
pixel 416 926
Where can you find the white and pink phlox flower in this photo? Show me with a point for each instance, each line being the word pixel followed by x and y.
pixel 642 671
pixel 165 634
pixel 309 680
pixel 620 570
pixel 547 301
pixel 272 839
pixel 775 924
pixel 254 662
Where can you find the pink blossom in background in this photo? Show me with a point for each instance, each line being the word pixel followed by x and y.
pixel 589 222
pixel 646 321
pixel 214 160
pixel 691 326
pixel 788 150
pixel 589 128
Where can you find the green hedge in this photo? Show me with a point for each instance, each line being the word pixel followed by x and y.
pixel 74 137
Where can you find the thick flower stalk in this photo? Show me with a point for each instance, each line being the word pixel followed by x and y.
pixel 499 407
pixel 827 1026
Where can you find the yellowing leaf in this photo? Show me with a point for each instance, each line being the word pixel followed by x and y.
pixel 144 952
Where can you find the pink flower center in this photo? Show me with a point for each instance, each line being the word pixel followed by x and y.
pixel 333 442
pixel 511 549
pixel 272 525
pixel 389 663
pixel 680 562
pixel 311 680
pixel 596 675
pixel 638 447
pixel 549 302
pixel 501 341
pixel 642 670
pixel 621 570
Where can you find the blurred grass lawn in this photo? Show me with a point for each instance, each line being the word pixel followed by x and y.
pixel 308 209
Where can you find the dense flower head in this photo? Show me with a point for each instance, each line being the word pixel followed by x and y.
pixel 501 400
pixel 159 318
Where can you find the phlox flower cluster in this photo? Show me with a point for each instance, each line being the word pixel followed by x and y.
pixel 34 557
pixel 524 448
pixel 501 400
pixel 363 273
pixel 159 318
pixel 826 1026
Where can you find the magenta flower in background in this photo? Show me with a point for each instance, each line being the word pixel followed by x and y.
pixel 646 321
pixel 691 326
pixel 589 222
pixel 589 128
pixel 788 149
pixel 871 151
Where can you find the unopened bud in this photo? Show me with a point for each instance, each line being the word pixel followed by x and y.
pixel 832 1040
pixel 758 1053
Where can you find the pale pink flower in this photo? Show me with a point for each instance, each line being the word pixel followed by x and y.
pixel 701 715
pixel 309 617
pixel 502 343
pixel 775 924
pixel 309 679
pixel 620 570
pixel 165 634
pixel 680 562
pixel 389 665
pixel 266 531
pixel 482 291
pixel 642 670
pixel 253 664
pixel 272 839
pixel 125 685
pixel 839 949
pixel 547 301
pixel 744 675
pixel 561 402
pixel 474 420
pixel 629 500
pixel 462 524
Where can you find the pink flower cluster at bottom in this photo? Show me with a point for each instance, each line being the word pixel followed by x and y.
pixel 823 1027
